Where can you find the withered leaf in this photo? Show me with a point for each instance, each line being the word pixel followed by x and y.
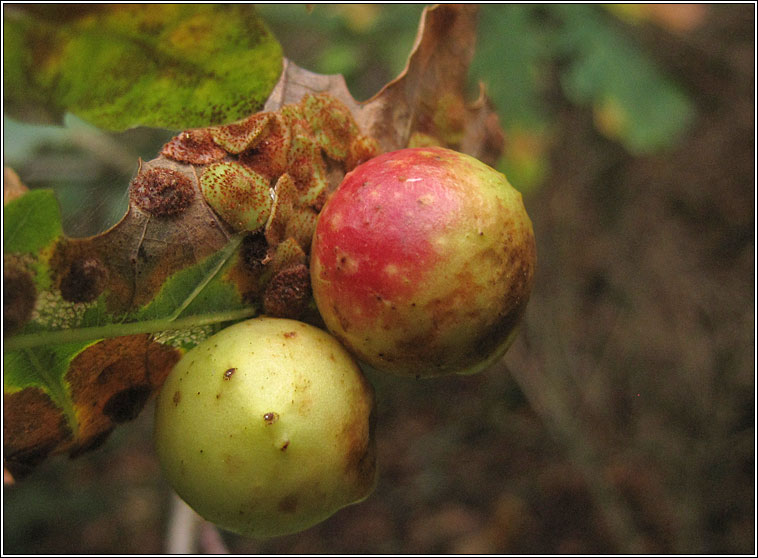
pixel 427 100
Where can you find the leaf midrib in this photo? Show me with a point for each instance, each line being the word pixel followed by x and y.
pixel 172 322
pixel 31 340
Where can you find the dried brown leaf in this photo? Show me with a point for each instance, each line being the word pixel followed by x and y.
pixel 428 97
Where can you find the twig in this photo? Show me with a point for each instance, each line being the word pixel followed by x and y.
pixel 210 539
pixel 546 400
pixel 181 537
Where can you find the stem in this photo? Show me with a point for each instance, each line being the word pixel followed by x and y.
pixel 211 541
pixel 30 340
pixel 181 537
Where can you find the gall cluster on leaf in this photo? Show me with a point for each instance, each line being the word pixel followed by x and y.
pixel 268 173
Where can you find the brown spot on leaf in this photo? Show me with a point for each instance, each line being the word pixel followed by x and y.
pixel 118 374
pixel 33 428
pixel 162 192
pixel 270 418
pixel 229 373
pixel 290 334
pixel 177 397
pixel 285 445
pixel 288 293
pixel 127 404
pixel 84 280
pixel 195 147
pixel 19 297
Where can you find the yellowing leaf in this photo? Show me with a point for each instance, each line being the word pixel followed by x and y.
pixel 124 65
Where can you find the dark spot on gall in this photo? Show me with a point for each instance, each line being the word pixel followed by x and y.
pixel 290 334
pixel 19 297
pixel 162 192
pixel 228 374
pixel 270 418
pixel 127 404
pixel 84 280
pixel 360 461
pixel 288 504
pixel 285 445
pixel 177 397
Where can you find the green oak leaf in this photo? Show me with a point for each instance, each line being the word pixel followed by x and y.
pixel 31 222
pixel 633 101
pixel 74 370
pixel 511 57
pixel 511 54
pixel 119 66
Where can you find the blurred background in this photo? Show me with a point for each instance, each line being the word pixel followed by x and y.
pixel 623 418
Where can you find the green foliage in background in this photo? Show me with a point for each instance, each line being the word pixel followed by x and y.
pixel 598 67
pixel 633 101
